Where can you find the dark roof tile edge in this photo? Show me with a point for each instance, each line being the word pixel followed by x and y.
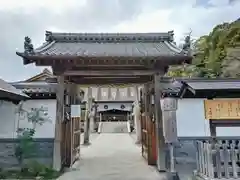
pixel 109 37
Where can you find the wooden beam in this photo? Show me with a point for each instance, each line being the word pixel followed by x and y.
pixel 57 164
pixel 117 73
pixel 105 81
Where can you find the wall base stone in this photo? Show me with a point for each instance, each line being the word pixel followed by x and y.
pixel 43 152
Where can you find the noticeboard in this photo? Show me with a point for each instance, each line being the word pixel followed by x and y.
pixel 75 111
pixel 228 109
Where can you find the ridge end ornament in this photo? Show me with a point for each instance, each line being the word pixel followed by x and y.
pixel 28 46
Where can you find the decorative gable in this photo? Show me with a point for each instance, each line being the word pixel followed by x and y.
pixel 41 77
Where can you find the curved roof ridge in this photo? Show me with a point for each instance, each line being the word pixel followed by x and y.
pixel 44 47
pixel 109 37
pixel 173 47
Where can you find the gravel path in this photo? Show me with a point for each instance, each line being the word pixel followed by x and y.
pixel 112 157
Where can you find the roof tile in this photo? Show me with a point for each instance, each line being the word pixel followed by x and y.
pixel 108 44
pixel 8 88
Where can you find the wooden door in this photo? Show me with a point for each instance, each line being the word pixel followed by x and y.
pixel 147 132
pixel 76 138
pixel 148 140
pixel 66 144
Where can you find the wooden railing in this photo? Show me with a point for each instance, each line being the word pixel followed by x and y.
pixel 218 159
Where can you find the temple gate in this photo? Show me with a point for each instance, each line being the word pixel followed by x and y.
pixel 102 58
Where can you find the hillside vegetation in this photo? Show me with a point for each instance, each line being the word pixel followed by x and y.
pixel 217 54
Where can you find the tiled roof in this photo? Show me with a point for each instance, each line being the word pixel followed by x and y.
pixel 7 89
pixel 113 44
pixel 208 84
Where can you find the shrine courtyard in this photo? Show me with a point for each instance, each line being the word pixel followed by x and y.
pixel 113 156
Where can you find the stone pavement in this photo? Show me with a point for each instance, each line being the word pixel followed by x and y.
pixel 112 157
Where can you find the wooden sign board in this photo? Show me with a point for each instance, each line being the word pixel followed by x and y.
pixel 222 109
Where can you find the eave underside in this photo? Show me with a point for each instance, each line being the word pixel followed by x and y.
pixel 157 61
pixel 15 98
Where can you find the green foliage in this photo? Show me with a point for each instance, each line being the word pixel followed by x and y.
pixel 33 170
pixel 26 149
pixel 213 52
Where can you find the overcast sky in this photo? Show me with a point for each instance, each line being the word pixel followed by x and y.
pixel 33 17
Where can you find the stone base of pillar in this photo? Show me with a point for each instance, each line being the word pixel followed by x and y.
pixel 172 176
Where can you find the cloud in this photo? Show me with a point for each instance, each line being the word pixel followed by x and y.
pixel 32 18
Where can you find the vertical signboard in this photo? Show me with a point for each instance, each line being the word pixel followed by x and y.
pixel 169 107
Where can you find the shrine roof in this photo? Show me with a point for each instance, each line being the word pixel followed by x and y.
pixel 106 45
pixel 213 84
pixel 7 91
pixel 35 87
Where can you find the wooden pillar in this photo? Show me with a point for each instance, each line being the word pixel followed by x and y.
pixel 161 146
pixel 213 131
pixel 57 163
pixel 75 153
pixel 87 118
pixel 137 120
pixel 95 118
pixel 149 127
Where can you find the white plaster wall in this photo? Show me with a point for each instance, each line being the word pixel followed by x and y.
pixel 47 130
pixel 191 120
pixel 9 119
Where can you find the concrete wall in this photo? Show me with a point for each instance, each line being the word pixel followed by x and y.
pixel 7 119
pixel 10 120
pixel 43 152
pixel 47 130
pixel 185 153
pixel 192 126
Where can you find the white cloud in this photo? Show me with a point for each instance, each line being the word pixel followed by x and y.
pixel 183 18
pixel 219 3
pixel 157 21
pixel 33 17
pixel 31 5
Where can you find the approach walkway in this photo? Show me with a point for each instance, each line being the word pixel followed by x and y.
pixel 114 127
pixel 112 156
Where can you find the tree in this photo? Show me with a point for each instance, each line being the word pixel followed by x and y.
pixel 217 54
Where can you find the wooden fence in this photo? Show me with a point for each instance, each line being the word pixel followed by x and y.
pixel 218 160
